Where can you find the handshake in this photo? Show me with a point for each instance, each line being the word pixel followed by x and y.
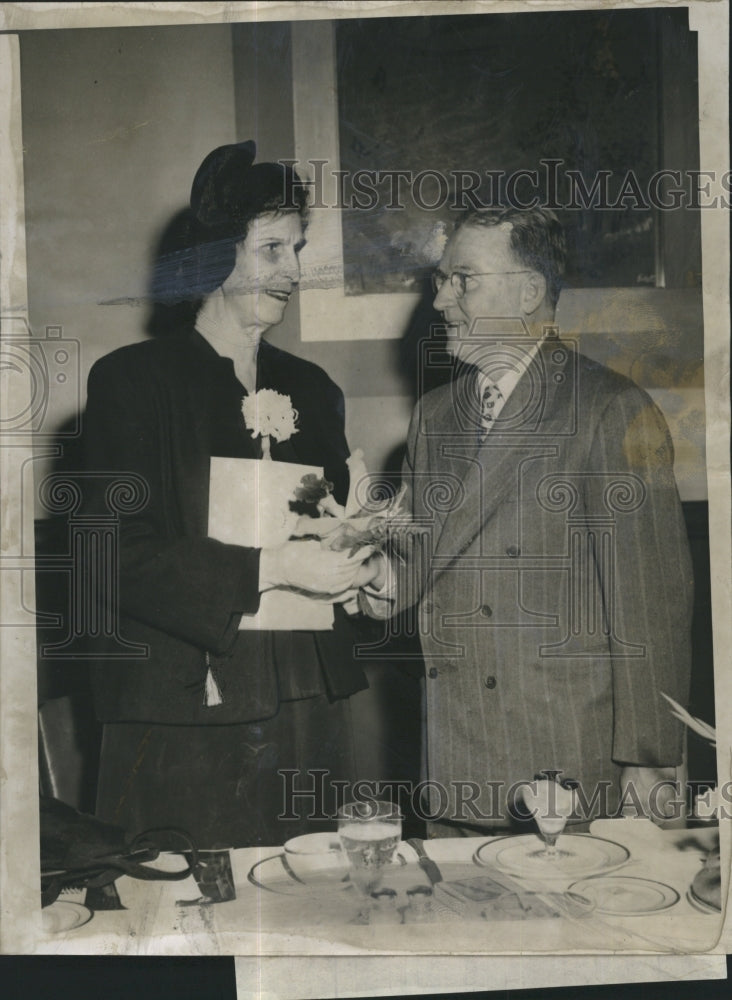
pixel 307 565
pixel 339 551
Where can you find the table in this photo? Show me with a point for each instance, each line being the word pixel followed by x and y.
pixel 166 918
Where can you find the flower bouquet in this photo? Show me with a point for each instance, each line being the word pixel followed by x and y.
pixel 369 519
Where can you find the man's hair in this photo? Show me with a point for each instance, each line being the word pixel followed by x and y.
pixel 537 240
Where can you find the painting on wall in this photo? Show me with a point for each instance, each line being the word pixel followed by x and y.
pixel 449 111
pixel 424 117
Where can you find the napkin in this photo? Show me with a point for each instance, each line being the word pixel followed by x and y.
pixel 494 897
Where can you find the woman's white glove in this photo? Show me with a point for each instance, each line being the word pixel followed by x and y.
pixel 306 565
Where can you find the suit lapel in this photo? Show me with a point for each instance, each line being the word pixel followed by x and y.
pixel 530 410
pixel 451 430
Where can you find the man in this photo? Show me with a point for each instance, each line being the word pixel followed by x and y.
pixel 555 599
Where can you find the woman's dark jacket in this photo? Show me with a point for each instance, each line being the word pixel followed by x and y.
pixel 159 410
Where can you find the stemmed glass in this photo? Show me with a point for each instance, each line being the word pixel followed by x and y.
pixel 369 833
pixel 551 803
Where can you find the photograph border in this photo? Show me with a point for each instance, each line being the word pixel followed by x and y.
pixel 19 872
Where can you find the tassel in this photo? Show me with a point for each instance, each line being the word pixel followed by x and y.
pixel 213 694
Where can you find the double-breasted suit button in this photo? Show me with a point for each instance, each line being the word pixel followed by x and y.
pixel 432 673
pixel 486 611
pixel 513 551
pixel 490 682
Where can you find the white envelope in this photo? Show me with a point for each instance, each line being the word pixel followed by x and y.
pixel 249 505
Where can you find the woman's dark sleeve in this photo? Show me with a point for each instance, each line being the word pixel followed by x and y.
pixel 185 584
pixel 332 436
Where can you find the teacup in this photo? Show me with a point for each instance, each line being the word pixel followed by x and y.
pixel 316 856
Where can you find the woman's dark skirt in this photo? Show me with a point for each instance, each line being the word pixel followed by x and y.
pixel 230 786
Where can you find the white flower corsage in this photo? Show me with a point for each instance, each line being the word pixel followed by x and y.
pixel 269 414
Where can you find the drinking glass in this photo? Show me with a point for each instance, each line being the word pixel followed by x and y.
pixel 551 803
pixel 369 833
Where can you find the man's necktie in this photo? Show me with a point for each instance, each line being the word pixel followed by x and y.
pixel 489 402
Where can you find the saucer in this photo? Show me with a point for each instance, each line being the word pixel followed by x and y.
pixel 626 895
pixel 63 916
pixel 578 855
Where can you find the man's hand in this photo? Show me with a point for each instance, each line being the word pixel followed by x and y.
pixel 372 572
pixel 308 566
pixel 367 573
pixel 651 792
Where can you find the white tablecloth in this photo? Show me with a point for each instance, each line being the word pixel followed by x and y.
pixel 165 918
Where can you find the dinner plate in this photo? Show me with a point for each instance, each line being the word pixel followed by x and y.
pixel 626 895
pixel 579 855
pixel 63 916
pixel 700 905
pixel 275 874
pixel 706 887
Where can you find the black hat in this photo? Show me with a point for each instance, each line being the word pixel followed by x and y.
pixel 229 190
pixel 220 182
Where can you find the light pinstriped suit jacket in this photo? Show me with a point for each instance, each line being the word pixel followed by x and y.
pixel 555 598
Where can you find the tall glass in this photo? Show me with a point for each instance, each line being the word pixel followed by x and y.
pixel 370 833
pixel 551 803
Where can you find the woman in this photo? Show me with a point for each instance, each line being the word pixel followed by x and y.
pixel 197 728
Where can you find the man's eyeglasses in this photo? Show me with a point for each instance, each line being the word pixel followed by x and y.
pixel 459 278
